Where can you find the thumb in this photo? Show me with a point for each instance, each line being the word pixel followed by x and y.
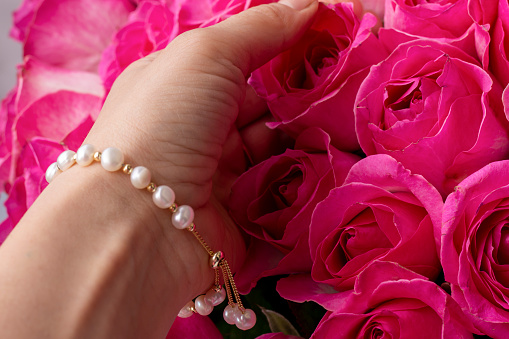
pixel 255 36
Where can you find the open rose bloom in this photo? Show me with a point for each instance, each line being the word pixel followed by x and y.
pixel 475 247
pixel 383 110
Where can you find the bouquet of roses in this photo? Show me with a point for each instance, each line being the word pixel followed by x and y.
pixel 382 202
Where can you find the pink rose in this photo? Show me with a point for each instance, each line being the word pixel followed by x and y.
pixel 150 28
pixel 73 33
pixel 203 13
pixel 155 23
pixel 434 109
pixel 277 336
pixel 475 247
pixel 7 117
pixel 49 103
pixel 273 202
pixel 499 58
pixel 382 212
pixel 388 302
pixel 22 18
pixel 483 12
pixel 315 82
pixel 435 19
pixel 194 327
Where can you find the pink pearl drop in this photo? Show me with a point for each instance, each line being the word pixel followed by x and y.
pixel 187 310
pixel 230 314
pixel 246 320
pixel 214 297
pixel 202 306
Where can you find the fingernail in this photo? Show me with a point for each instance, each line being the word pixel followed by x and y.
pixel 296 4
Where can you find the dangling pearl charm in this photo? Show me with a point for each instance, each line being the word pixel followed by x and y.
pixel 85 155
pixel 245 320
pixel 187 310
pixel 230 314
pixel 215 297
pixel 202 306
pixel 112 159
pixel 183 217
pixel 163 197
pixel 65 160
pixel 52 172
pixel 140 177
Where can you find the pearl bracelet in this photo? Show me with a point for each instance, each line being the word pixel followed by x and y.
pixel 163 196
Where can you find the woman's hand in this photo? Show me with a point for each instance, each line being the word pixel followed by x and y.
pixel 174 111
pixel 93 257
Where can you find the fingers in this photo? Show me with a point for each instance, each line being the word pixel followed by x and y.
pixel 257 35
pixel 252 108
pixel 261 142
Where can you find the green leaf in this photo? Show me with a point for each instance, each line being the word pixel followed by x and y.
pixel 279 323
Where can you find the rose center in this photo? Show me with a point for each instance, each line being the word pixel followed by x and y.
pixel 503 247
pixel 402 102
pixel 374 332
pixel 321 56
pixel 362 236
pixel 285 192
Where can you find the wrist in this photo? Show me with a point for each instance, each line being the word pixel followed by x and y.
pixel 108 251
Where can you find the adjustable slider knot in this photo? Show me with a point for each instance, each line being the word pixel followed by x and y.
pixel 215 259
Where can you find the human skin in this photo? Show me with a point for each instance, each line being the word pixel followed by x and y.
pixel 94 257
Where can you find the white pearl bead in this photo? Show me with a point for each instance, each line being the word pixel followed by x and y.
pixel 183 217
pixel 112 159
pixel 230 314
pixel 246 320
pixel 214 297
pixel 52 172
pixel 65 160
pixel 202 306
pixel 163 197
pixel 140 177
pixel 85 155
pixel 187 310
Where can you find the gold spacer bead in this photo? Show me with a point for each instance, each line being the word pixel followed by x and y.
pixel 97 156
pixel 216 259
pixel 173 208
pixel 191 227
pixel 127 169
pixel 151 187
pixel 74 157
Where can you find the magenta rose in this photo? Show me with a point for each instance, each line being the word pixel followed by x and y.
pixel 203 13
pixel 475 247
pixel 483 12
pixel 435 19
pixel 22 18
pixel 50 110
pixel 434 109
pixel 49 103
pixel 149 28
pixel 273 202
pixel 499 57
pixel 71 33
pixel 277 336
pixel 194 327
pixel 315 82
pixel 382 212
pixel 155 23
pixel 388 302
